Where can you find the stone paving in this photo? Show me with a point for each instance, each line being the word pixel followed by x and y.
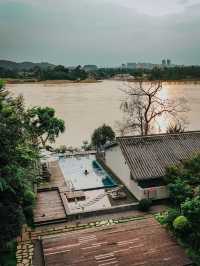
pixel 25 248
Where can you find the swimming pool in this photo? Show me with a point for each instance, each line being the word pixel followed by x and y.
pixel 73 169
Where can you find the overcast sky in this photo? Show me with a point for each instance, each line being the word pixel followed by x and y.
pixel 103 32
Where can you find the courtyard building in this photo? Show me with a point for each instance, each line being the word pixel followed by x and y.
pixel 140 162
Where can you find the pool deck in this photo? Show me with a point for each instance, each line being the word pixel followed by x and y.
pixel 49 205
pixel 57 178
pixel 52 199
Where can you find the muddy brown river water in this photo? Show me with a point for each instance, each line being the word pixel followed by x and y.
pixel 85 106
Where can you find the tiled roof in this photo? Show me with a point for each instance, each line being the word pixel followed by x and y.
pixel 148 156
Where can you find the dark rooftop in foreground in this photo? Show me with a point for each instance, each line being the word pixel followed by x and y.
pixel 137 243
pixel 148 156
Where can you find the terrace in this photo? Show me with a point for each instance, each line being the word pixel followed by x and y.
pixel 78 185
pixel 143 242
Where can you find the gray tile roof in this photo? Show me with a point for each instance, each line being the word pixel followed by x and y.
pixel 148 156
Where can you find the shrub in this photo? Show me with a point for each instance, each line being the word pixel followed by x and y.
pixel 28 212
pixel 144 205
pixel 180 223
pixel 172 214
pixel 29 197
pixel 12 219
pixel 161 217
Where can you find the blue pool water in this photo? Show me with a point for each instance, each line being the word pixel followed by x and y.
pixel 73 169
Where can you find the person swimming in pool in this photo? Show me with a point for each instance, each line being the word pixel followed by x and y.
pixel 86 172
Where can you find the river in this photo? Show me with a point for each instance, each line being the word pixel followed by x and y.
pixel 86 106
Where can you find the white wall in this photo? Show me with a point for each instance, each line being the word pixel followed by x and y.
pixel 116 162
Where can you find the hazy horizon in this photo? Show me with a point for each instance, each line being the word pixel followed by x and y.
pixel 101 32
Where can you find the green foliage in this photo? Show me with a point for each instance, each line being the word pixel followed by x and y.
pixel 179 191
pixel 161 217
pixel 19 156
pixel 8 256
pixel 28 212
pixel 11 221
pixel 29 197
pixel 61 72
pixel 180 223
pixel 43 125
pixel 171 215
pixel 18 160
pixel 191 209
pixel 102 135
pixel 184 186
pixel 183 180
pixel 144 205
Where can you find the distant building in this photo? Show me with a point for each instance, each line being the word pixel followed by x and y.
pixel 131 65
pixel 123 77
pixel 164 62
pixel 168 62
pixel 88 68
pixel 140 65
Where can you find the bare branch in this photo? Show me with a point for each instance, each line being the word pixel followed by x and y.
pixel 143 105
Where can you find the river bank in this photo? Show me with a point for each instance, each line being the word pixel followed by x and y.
pixel 24 81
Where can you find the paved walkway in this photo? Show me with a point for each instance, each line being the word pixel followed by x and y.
pixel 25 247
pixel 140 242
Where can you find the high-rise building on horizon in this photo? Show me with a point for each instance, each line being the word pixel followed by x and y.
pixel 163 62
pixel 168 62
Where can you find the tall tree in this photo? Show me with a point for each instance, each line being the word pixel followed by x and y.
pixel 18 157
pixel 144 105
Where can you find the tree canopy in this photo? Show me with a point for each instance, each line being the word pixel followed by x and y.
pixel 43 125
pixel 183 181
pixel 19 160
pixel 102 135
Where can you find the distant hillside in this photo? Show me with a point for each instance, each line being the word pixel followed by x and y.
pixel 11 65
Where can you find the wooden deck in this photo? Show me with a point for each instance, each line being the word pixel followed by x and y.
pixel 138 243
pixel 57 179
pixel 48 207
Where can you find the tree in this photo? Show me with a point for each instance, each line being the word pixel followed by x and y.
pixel 102 135
pixel 191 210
pixel 18 171
pixel 183 182
pixel 43 125
pixel 144 105
pixel 179 191
pixel 12 219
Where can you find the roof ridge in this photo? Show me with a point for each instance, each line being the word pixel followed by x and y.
pixel 160 135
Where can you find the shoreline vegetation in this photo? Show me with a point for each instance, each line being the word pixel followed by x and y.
pixel 48 74
pixel 57 81
pixel 61 81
